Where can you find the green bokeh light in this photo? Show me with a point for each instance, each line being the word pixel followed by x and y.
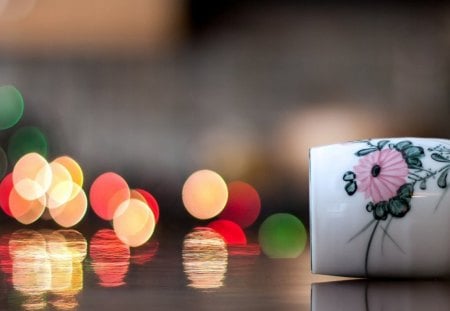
pixel 11 106
pixel 282 236
pixel 26 140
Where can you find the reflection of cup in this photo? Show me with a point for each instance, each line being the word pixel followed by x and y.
pixel 380 295
pixel 381 208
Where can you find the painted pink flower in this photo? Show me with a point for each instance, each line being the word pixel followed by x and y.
pixel 380 174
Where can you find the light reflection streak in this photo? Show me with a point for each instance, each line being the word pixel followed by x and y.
pixel 46 264
pixel 110 258
pixel 205 258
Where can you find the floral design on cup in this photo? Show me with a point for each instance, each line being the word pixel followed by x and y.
pixel 387 174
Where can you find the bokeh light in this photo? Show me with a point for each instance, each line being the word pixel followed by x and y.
pixel 11 106
pixel 26 140
pixel 3 163
pixel 230 231
pixel 73 168
pixel 26 211
pixel 134 222
pixel 205 258
pixel 151 202
pixel 282 235
pixel 107 192
pixel 243 206
pixel 204 194
pixel 6 187
pixel 110 258
pixel 32 176
pixel 61 187
pixel 72 212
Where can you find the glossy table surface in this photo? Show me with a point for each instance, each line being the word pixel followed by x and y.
pixel 66 270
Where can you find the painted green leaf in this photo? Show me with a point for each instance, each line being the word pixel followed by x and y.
pixel 403 145
pixel 398 207
pixel 381 210
pixel 366 151
pixel 423 184
pixel 382 143
pixel 442 180
pixel 413 162
pixel 413 152
pixel 349 176
pixel 351 187
pixel 405 192
pixel 438 157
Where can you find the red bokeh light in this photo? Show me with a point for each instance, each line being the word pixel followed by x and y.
pixel 151 201
pixel 230 231
pixel 6 187
pixel 107 192
pixel 243 206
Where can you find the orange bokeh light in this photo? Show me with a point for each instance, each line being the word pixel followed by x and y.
pixel 204 194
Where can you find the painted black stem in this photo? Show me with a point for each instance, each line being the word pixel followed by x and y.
pixel 366 262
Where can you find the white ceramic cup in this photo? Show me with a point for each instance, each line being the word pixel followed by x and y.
pixel 381 208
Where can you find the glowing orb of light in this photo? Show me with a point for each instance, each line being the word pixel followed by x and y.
pixel 3 162
pixel 151 201
pixel 107 192
pixel 205 258
pixel 110 258
pixel 60 189
pixel 134 222
pixel 243 206
pixel 72 212
pixel 6 187
pixel 145 253
pixel 26 211
pixel 73 167
pixel 27 140
pixel 282 236
pixel 204 194
pixel 32 176
pixel 11 106
pixel 230 231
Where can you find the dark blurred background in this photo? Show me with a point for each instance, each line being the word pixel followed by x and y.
pixel 156 89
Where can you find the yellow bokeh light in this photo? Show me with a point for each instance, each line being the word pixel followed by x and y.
pixel 75 172
pixel 204 194
pixel 205 258
pixel 32 176
pixel 134 222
